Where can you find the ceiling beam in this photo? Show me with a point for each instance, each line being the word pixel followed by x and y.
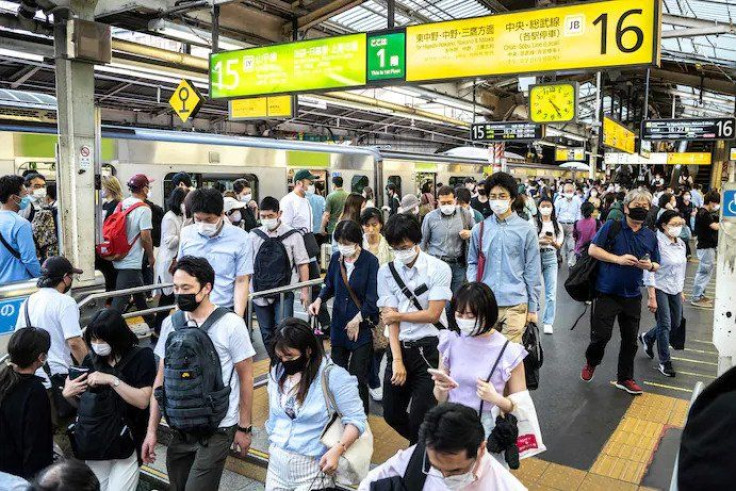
pixel 321 14
pixel 23 75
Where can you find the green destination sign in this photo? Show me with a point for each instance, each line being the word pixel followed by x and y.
pixel 387 56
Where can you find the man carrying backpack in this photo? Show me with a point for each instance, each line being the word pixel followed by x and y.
pixel 279 250
pixel 137 233
pixel 208 405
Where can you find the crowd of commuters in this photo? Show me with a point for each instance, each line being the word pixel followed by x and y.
pixel 426 295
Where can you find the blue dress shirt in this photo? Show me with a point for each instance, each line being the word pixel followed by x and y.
pixel 318 209
pixel 17 232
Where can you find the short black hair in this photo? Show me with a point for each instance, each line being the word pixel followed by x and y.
pixel 503 180
pixel 51 190
pixel 66 475
pixel 10 185
pixel 403 226
pixel 219 186
pixel 269 203
pixel 197 267
pixel 33 175
pixel 175 200
pixel 665 217
pixel 446 191
pixel 240 184
pixel 450 428
pixel 348 231
pixel 181 178
pixel 469 180
pixel 587 209
pixel 664 199
pixel 337 181
pixel 391 187
pixel 463 195
pixel 480 300
pixel 108 325
pixel 207 200
pixel 369 214
pixel 712 196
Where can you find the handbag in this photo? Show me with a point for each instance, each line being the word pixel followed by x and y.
pixel 678 334
pixel 380 341
pixel 532 343
pixel 356 461
pixel 529 440
pixel 481 255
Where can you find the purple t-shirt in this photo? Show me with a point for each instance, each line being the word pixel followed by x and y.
pixel 585 230
pixel 468 358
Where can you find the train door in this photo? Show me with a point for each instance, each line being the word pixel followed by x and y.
pixel 321 185
pixel 425 182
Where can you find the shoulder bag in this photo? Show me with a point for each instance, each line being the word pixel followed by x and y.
pixel 356 461
pixel 380 341
pixel 481 266
pixel 411 295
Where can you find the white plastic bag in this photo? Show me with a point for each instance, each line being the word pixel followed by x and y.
pixel 530 435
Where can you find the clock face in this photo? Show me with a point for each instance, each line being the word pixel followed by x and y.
pixel 554 103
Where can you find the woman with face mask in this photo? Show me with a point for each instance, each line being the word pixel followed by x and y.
pixel 354 206
pixel 551 237
pixel 670 283
pixel 468 352
pixel 26 432
pixel 352 281
pixel 298 411
pixel 117 365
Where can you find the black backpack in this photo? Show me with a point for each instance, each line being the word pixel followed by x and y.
pixel 193 398
pixel 101 430
pixel 580 284
pixel 157 216
pixel 272 267
pixel 414 476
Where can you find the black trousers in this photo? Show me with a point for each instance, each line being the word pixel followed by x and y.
pixel 323 315
pixel 417 390
pixel 606 308
pixel 357 362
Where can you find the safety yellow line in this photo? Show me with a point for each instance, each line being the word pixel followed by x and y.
pixel 702 351
pixel 699 341
pixel 696 374
pixel 155 472
pixel 664 386
pixel 696 361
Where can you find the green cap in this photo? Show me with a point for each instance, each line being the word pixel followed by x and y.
pixel 304 174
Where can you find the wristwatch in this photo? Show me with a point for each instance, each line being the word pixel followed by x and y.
pixel 247 430
pixel 115 382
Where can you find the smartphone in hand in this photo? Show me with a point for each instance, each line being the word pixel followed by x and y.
pixel 443 376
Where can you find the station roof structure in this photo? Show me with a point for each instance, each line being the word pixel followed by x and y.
pixel 696 77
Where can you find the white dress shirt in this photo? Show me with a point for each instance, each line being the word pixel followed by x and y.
pixel 670 277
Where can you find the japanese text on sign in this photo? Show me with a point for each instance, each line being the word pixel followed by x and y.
pixel 500 132
pixel 689 129
pixel 618 136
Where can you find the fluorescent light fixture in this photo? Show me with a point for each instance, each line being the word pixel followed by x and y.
pixel 192 35
pixel 572 136
pixel 148 74
pixel 20 54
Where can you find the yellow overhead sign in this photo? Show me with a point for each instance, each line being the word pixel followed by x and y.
pixel 569 154
pixel 261 108
pixel 186 100
pixel 733 154
pixel 580 36
pixel 689 158
pixel 617 136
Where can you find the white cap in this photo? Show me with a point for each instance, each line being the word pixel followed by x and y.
pixel 232 204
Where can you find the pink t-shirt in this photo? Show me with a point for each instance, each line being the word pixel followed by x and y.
pixel 468 358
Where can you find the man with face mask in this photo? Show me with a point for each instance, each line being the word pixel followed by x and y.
pixel 707 227
pixel 451 455
pixel 138 226
pixel 624 250
pixel 445 232
pixel 567 209
pixel 507 258
pixel 228 247
pixel 36 185
pixel 18 260
pixel 194 462
pixel 412 320
pixel 334 204
pixel 271 311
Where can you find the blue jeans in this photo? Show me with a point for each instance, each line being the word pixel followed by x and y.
pixel 458 276
pixel 707 259
pixel 549 272
pixel 270 316
pixel 669 315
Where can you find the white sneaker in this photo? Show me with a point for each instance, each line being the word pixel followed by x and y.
pixel 548 329
pixel 376 394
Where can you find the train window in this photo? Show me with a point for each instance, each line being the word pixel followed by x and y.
pixel 357 183
pixel 222 182
pixel 320 185
pixel 456 181
pixel 396 180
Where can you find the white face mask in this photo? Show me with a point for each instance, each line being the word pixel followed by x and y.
pixel 39 193
pixel 245 198
pixel 310 189
pixel 347 250
pixel 546 211
pixel 447 209
pixel 593 194
pixel 674 231
pixel 235 217
pixel 500 206
pixel 207 229
pixel 569 195
pixel 460 481
pixel 466 326
pixel 103 193
pixel 270 223
pixel 716 207
pixel 101 349
pixel 406 256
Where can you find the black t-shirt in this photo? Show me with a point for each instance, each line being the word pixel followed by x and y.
pixel 707 237
pixel 483 208
pixel 26 434
pixel 139 372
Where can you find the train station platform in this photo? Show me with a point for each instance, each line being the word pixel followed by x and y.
pixel 597 437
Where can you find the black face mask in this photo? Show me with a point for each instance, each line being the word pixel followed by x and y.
pixel 293 367
pixel 638 214
pixel 187 301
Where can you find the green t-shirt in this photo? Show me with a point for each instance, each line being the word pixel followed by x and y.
pixel 334 206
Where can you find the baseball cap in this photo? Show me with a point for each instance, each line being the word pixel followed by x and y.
pixel 140 181
pixel 304 174
pixel 231 204
pixel 58 267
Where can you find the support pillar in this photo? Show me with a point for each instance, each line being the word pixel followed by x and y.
pixel 724 319
pixel 76 151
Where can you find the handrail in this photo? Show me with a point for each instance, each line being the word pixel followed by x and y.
pixel 699 386
pixel 280 291
pixel 126 291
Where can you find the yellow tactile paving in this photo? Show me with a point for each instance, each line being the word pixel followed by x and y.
pixel 531 470
pixel 261 367
pixel 561 477
pixel 391 441
pixel 595 482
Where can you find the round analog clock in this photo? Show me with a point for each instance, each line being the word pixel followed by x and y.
pixel 553 103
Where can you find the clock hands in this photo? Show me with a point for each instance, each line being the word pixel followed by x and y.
pixel 559 113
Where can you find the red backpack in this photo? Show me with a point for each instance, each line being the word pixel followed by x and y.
pixel 115 246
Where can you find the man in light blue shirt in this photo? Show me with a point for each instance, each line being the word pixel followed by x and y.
pixel 697 195
pixel 512 264
pixel 567 209
pixel 18 259
pixel 318 209
pixel 226 247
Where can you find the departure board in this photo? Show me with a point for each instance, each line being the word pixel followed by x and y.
pixel 701 129
pixel 506 131
pixel 616 135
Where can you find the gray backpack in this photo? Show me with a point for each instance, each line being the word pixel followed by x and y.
pixel 193 398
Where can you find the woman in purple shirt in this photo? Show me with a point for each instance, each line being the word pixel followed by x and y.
pixel 468 352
